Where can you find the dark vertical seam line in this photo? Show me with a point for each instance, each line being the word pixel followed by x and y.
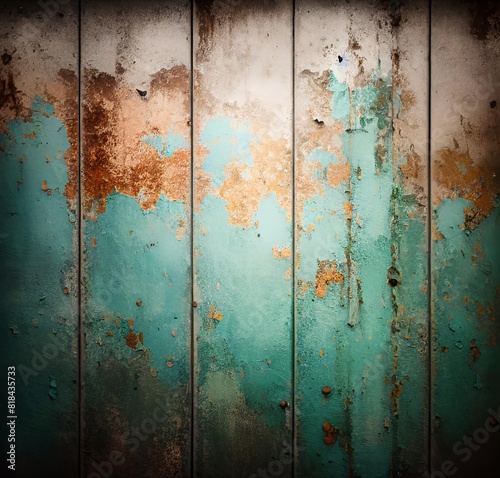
pixel 192 328
pixel 294 249
pixel 80 250
pixel 429 246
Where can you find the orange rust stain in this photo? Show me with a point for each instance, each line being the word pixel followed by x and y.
pixel 115 158
pixel 138 303
pixel 246 186
pixel 326 427
pixel 29 136
pixel 213 313
pixel 337 173
pixel 110 334
pixel 311 179
pixel 348 209
pixel 330 432
pixel 131 340
pixel 487 320
pixel 94 242
pixel 326 274
pixel 457 175
pixel 130 322
pixel 321 353
pixel 396 392
pixel 283 253
pixel 173 333
pixel 63 95
pixel 141 338
pixel 475 354
pixel 66 290
pixel 413 167
pixel 44 185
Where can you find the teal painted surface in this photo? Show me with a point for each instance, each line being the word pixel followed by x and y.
pixel 38 283
pixel 243 359
pixel 137 336
pixel 360 226
pixel 136 242
pixel 466 254
pixel 350 339
pixel 242 243
pixel 466 388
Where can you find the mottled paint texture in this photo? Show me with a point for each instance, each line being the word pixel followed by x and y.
pixel 38 287
pixel 361 266
pixel 136 173
pixel 242 239
pixel 269 287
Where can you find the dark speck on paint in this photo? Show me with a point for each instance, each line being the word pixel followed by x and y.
pixel 493 104
pixel 393 282
pixel 340 59
pixel 6 58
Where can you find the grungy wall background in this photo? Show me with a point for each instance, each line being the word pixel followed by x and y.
pixel 247 238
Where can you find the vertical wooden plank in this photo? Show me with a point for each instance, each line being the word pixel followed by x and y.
pixel 243 237
pixel 38 235
pixel 361 153
pixel 136 205
pixel 466 279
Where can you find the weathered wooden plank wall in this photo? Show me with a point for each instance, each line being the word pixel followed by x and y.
pixel 251 277
pixel 136 237
pixel 466 277
pixel 38 233
pixel 243 237
pixel 361 106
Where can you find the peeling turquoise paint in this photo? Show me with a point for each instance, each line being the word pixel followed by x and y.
pixel 465 313
pixel 166 145
pixel 137 257
pixel 38 263
pixel 346 340
pixel 137 323
pixel 225 143
pixel 243 367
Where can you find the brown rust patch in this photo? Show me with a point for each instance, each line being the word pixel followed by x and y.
pixel 10 98
pixel 116 158
pixel 330 432
pixel 459 176
pixel 475 353
pixel 65 100
pixel 487 315
pixel 132 340
pixel 326 274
